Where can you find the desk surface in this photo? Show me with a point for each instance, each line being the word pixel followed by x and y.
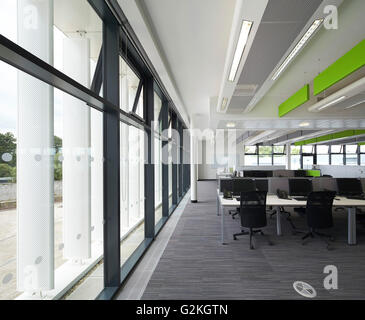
pixel 274 201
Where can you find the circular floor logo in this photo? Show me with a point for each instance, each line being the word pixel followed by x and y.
pixel 304 289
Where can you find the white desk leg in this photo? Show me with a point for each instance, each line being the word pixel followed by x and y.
pixel 351 225
pixel 222 226
pixel 278 221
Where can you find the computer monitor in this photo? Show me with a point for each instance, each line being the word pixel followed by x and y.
pixel 300 173
pixel 262 185
pixel 255 174
pixel 349 186
pixel 300 187
pixel 243 185
pixel 226 185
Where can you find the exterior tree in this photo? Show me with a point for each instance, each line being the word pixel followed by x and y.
pixel 8 145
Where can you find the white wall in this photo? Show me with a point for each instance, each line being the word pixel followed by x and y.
pixel 343 171
pixel 206 171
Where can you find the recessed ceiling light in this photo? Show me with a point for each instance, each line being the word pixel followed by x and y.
pixel 231 125
pixel 224 104
pixel 241 44
pixel 331 103
pixel 304 124
pixel 316 24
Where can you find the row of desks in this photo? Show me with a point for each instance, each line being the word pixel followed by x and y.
pixel 223 205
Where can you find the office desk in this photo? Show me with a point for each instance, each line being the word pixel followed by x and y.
pixel 274 201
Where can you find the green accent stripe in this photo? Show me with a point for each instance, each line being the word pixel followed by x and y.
pixel 349 63
pixel 294 101
pixel 328 137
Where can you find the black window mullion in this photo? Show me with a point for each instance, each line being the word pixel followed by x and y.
pixel 174 149
pixel 165 157
pixel 111 127
pixel 181 160
pixel 98 75
pixel 138 94
pixel 149 175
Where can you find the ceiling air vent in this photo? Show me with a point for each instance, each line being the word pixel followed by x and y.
pixel 245 90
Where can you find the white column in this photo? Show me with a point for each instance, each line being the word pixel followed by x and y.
pixel 35 224
pixel 193 163
pixel 124 153
pixel 97 198
pixel 76 151
pixel 288 157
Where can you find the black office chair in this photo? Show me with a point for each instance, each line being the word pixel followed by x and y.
pixel 319 214
pixel 253 214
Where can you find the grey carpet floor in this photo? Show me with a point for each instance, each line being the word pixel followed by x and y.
pixel 195 265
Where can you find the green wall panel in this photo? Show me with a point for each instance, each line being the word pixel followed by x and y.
pixel 313 173
pixel 328 137
pixel 349 63
pixel 294 101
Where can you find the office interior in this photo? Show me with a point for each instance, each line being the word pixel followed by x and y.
pixel 178 150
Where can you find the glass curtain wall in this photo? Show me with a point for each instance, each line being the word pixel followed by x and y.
pixel 323 157
pixel 337 155
pixel 52 150
pixel 279 157
pixel 52 224
pixel 308 156
pixel 250 155
pixel 295 152
pixel 351 155
pixel 265 155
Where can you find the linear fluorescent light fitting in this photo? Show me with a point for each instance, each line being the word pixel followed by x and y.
pixel 316 24
pixel 355 105
pixel 241 44
pixel 331 103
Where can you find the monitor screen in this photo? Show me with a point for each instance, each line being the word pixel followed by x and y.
pixel 226 185
pixel 255 174
pixel 300 187
pixel 300 173
pixel 243 185
pixel 262 185
pixel 349 186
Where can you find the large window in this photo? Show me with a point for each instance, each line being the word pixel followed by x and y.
pixel 131 88
pixel 279 156
pixel 251 156
pixel 336 155
pixel 52 163
pixel 54 31
pixel 323 157
pixel 62 180
pixel 351 155
pixel 295 157
pixel 265 155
